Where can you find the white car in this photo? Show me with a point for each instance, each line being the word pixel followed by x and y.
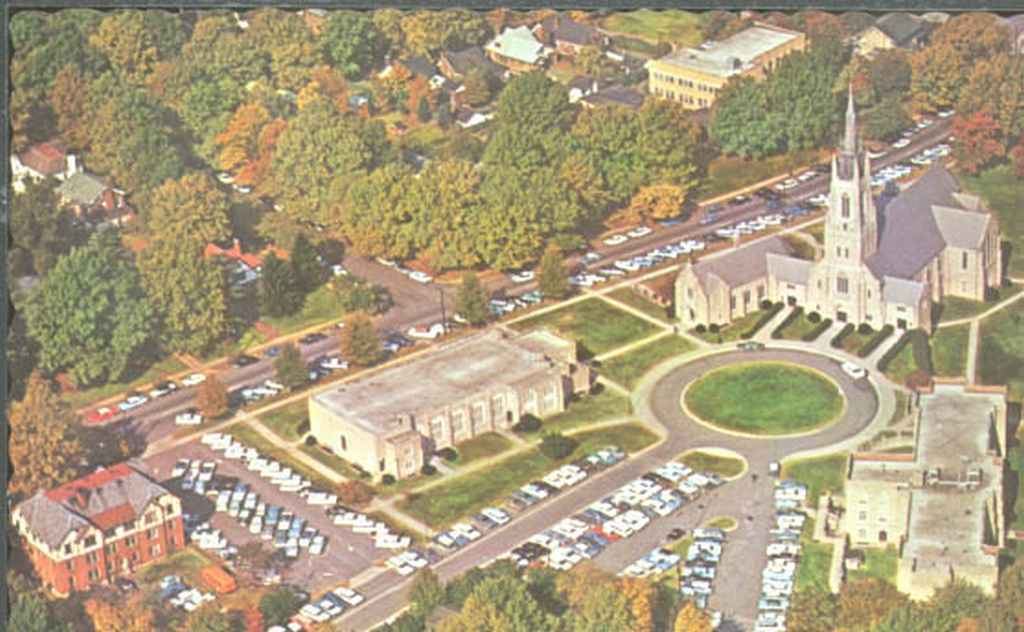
pixel 521 276
pixel 349 596
pixel 946 113
pixel 639 231
pixel 188 417
pixel 425 333
pixel 194 380
pixel 225 178
pixel 853 370
pixel 133 401
pixel 901 143
pixel 338 270
pixel 420 277
pixel 334 363
pixel 241 188
pixel 615 240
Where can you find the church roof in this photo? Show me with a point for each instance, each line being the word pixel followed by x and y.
pixel 789 269
pixel 901 291
pixel 960 228
pixel 911 236
pixel 741 265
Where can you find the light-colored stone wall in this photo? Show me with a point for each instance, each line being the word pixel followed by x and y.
pixel 876 512
pixel 349 440
pixel 873 39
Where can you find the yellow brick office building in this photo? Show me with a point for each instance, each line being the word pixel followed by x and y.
pixel 694 76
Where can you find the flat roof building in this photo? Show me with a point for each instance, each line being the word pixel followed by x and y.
pixel 941 505
pixel 392 421
pixel 694 76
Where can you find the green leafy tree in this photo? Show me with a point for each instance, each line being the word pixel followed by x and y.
pixel 532 117
pixel 886 120
pixel 284 38
pixel 290 368
pixel 500 603
pixel 478 87
pixel 189 293
pixel 866 602
pixel 134 41
pixel 49 43
pixel 22 355
pixel 359 342
pixel 378 210
pixel 552 277
pixel 279 604
pixel 812 610
pixel 603 609
pixel 471 300
pixel 31 613
pixel 890 73
pixel 556 446
pixel 428 32
pixel 423 109
pixel 44 446
pixel 192 208
pixel 426 593
pixel 212 397
pixel 41 228
pixel 446 216
pixel 305 264
pixel 280 294
pixel 209 618
pixel 352 42
pixel 206 110
pixel 90 315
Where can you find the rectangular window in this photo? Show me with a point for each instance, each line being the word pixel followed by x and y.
pixel 153 533
pixel 131 540
pixel 92 558
pixel 90 541
pixel 732 302
pixel 746 297
pixel 344 443
pixel 155 550
pixel 381 465
pixel 963 260
pixel 94 575
pixel 842 285
pixel 760 292
pixel 150 517
pixel 839 251
pixel 863 515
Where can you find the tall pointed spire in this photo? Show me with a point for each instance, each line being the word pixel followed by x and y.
pixel 850 137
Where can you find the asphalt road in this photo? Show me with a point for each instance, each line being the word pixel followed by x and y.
pixel 417 303
pixel 738 586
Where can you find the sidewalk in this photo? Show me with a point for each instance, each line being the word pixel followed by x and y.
pixel 972 351
pixel 765 333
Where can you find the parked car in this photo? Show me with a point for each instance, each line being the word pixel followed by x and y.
pixel 420 277
pixel 311 338
pixel 194 380
pixel 163 388
pixel 188 417
pixel 615 240
pixel 750 345
pixel 243 360
pixel 272 352
pixel 426 332
pixel 521 276
pixel 639 231
pixel 854 370
pixel 134 400
pixel 101 414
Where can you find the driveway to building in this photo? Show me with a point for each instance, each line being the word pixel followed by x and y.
pixel 657 401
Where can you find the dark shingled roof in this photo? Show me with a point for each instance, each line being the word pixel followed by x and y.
pixel 565 29
pixel 419 66
pixel 911 238
pixel 616 95
pixel 741 265
pixel 103 499
pixel 465 60
pixel 900 27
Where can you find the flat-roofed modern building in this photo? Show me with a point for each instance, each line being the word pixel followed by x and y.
pixel 694 76
pixel 942 505
pixel 392 421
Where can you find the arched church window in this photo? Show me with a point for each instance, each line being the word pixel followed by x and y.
pixel 846 205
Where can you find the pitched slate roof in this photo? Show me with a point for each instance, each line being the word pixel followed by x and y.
pixel 900 27
pixel 960 228
pixel 901 291
pixel 420 66
pixel 911 237
pixel 45 158
pixel 789 269
pixel 104 499
pixel 741 265
pixel 83 188
pixel 616 95
pixel 518 44
pixel 565 29
pixel 465 60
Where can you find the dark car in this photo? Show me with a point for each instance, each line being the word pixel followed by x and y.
pixel 272 352
pixel 750 345
pixel 396 338
pixel 243 360
pixel 125 585
pixel 309 339
pixel 675 534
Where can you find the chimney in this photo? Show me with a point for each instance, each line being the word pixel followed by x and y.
pixel 72 165
pixel 108 199
pixel 236 248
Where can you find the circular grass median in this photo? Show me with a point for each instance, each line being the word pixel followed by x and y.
pixel 765 398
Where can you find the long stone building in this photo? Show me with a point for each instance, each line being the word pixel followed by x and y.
pixel 880 266
pixel 392 422
pixel 942 505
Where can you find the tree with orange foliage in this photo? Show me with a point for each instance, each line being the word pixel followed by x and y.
pixel 131 615
pixel 978 141
pixel 1017 156
pixel 252 619
pixel 943 67
pixel 640 594
pixel 659 201
pixel 239 140
pixel 580 581
pixel 690 618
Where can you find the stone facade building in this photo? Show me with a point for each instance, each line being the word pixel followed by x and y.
pixel 942 505
pixel 393 421
pixel 885 266
pixel 694 76
pixel 87 531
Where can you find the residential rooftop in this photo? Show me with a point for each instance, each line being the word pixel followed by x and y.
pixel 454 372
pixel 732 55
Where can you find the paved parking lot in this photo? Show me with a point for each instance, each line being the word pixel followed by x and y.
pixel 347 554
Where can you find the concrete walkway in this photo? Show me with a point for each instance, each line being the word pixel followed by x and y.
pixel 876 355
pixel 631 346
pixel 985 314
pixel 764 334
pixel 972 351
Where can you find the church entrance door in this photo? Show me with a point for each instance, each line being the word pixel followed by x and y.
pixel 841 316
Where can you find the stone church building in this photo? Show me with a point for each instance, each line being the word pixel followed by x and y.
pixel 880 266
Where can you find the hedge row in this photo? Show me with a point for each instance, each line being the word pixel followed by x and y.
pixel 837 340
pixel 922 351
pixel 875 341
pixel 890 355
pixel 769 313
pixel 793 315
pixel 819 329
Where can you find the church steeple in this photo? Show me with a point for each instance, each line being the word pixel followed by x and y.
pixel 850 143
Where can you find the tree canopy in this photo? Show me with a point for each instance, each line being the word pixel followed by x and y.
pixel 44 447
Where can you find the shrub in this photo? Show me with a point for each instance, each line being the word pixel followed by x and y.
pixel 701 328
pixel 876 341
pixel 991 295
pixel 770 312
pixel 864 329
pixel 387 479
pixel 922 351
pixel 310 440
pixel 766 304
pixel 556 446
pixel 303 427
pixel 714 328
pixel 527 423
pixel 814 317
pixel 837 340
pixel 448 454
pixel 356 492
pixel 883 362
pixel 918 379
pixel 428 470
pixel 787 322
pixel 819 329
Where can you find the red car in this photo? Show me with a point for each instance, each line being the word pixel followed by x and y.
pixel 101 414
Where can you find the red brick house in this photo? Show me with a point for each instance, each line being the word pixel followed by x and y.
pixel 567 36
pixel 106 524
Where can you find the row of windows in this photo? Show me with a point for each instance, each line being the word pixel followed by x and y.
pixel 682 98
pixel 686 83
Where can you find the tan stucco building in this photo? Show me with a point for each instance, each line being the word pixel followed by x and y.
pixel 885 266
pixel 392 422
pixel 694 76
pixel 942 505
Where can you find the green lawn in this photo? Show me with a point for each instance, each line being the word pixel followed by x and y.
pixel 820 474
pixel 721 465
pixel 628 368
pixel 728 173
pixel 597 326
pixel 766 398
pixel 815 561
pixel 78 399
pixel 955 308
pixel 634 299
pixel 606 404
pixel 466 494
pixel 677 27
pixel 481 447
pixel 1015 459
pixel 733 331
pixel 186 563
pixel 799 327
pixel 251 438
pixel 286 421
pixel 1001 350
pixel 423 139
pixel 1004 193
pixel 802 248
pixel 878 563
pixel 855 340
pixel 722 522
pixel 949 350
pixel 322 305
pixel 333 461
pixel 902 365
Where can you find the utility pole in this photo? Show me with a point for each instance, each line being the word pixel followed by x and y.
pixel 444 320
